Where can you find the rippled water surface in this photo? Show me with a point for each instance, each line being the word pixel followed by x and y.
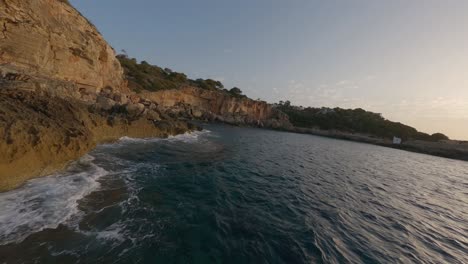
pixel 238 195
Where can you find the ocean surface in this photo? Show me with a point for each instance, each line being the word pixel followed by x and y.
pixel 241 195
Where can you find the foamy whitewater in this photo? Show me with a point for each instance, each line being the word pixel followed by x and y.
pixel 49 201
pixel 241 195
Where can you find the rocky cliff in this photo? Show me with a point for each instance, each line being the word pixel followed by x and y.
pixel 50 39
pixel 209 105
pixel 62 91
pixel 206 99
pixel 40 135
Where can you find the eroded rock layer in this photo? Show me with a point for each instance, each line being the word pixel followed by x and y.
pixel 192 102
pixel 49 38
pixel 40 134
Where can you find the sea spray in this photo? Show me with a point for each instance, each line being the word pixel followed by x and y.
pixel 47 202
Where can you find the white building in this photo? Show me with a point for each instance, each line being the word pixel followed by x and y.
pixel 396 140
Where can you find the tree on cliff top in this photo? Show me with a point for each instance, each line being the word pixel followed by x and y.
pixel 235 91
pixel 208 84
pixel 439 137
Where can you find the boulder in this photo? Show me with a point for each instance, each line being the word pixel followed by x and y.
pixel 107 91
pixel 134 98
pixel 197 113
pixel 153 115
pixel 153 106
pixel 120 98
pixel 135 109
pixel 105 103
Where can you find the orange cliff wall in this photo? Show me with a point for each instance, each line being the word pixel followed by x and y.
pixel 216 105
pixel 51 39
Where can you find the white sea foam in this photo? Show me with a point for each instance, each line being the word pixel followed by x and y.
pixel 186 137
pixel 115 232
pixel 46 202
pixel 50 201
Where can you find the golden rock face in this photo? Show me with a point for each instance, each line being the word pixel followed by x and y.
pixel 50 38
pixel 216 105
pixel 40 135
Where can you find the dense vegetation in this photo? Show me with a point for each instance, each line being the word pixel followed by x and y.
pixel 144 76
pixel 353 121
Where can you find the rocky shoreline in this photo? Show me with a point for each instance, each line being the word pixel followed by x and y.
pixel 42 130
pixel 46 123
pixel 63 91
pixel 451 149
pixel 41 134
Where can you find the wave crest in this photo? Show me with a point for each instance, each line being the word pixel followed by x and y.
pixel 47 202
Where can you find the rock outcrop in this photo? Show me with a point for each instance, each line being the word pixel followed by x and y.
pixel 40 134
pixel 50 39
pixel 62 91
pixel 196 103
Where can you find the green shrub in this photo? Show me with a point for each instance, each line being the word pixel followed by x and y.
pixel 353 121
pixel 143 76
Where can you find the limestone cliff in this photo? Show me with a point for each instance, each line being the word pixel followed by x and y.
pixel 193 102
pixel 51 39
pixel 62 91
pixel 40 135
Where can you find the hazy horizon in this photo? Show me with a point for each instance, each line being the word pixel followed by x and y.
pixel 406 60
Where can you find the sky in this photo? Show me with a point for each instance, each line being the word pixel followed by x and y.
pixel 405 59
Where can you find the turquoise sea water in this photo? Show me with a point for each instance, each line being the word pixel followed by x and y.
pixel 241 195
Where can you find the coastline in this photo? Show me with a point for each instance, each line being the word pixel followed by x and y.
pixel 54 113
pixel 30 165
pixel 451 149
pixel 42 134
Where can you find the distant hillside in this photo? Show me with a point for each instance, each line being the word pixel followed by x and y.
pixel 353 121
pixel 146 77
pixel 202 99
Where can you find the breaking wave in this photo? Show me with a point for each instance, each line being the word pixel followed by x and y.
pixel 47 202
pixel 186 137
